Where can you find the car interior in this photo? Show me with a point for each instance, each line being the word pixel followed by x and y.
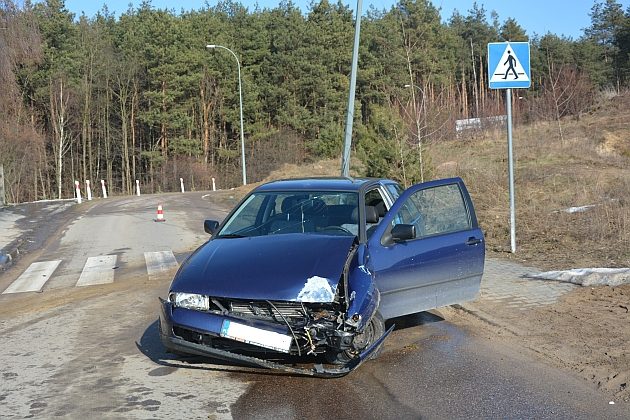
pixel 302 213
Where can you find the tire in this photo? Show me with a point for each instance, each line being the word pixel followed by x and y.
pixel 166 345
pixel 372 332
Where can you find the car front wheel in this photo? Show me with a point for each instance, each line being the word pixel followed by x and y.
pixel 372 332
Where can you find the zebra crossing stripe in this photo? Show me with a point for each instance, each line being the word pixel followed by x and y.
pixel 159 262
pixel 98 270
pixel 34 278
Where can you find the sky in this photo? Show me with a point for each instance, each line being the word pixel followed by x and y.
pixel 561 17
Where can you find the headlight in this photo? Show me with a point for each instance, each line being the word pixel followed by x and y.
pixel 190 301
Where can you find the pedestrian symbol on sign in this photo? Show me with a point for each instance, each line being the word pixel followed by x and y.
pixel 510 62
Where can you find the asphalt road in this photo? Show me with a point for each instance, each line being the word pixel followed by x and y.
pixel 94 351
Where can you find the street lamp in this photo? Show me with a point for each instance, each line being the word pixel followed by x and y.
pixel 240 98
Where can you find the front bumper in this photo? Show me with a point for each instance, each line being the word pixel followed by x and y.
pixel 211 324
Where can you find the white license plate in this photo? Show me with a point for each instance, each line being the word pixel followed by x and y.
pixel 256 336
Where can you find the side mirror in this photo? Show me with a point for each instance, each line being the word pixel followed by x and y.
pixel 403 232
pixel 210 226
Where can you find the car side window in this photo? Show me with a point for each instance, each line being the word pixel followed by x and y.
pixel 374 198
pixel 394 190
pixel 435 211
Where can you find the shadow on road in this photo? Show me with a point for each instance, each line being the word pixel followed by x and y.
pixel 413 320
pixel 151 346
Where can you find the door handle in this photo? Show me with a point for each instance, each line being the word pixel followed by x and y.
pixel 473 241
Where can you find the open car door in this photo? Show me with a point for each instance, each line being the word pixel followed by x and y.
pixel 428 250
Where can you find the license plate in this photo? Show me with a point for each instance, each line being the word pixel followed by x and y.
pixel 256 336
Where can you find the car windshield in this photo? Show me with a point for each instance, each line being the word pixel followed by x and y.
pixel 273 213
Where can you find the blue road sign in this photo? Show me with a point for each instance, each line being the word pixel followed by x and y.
pixel 508 65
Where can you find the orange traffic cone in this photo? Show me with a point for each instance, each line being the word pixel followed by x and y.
pixel 160 214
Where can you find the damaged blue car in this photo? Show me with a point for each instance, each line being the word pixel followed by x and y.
pixel 315 266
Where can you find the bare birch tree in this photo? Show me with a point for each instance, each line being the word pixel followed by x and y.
pixel 59 100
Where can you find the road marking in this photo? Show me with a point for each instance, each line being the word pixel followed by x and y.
pixel 159 262
pixel 98 270
pixel 34 278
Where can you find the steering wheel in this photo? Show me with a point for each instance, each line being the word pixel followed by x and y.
pixel 334 228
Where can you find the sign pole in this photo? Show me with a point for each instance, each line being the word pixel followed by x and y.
pixel 509 68
pixel 508 104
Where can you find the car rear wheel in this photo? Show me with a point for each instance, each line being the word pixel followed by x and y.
pixel 372 332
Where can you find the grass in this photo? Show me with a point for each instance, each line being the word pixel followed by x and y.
pixel 590 167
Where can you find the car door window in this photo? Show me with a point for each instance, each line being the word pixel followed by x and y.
pixel 434 211
pixel 374 198
pixel 394 190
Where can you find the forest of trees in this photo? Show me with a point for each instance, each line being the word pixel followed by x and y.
pixel 139 96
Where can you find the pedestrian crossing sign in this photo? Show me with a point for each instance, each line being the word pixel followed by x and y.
pixel 508 65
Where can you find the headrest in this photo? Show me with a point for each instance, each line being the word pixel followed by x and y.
pixel 380 209
pixel 371 215
pixel 288 204
pixel 354 216
pixel 313 207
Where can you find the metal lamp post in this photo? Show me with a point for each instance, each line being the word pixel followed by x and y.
pixel 240 98
pixel 345 158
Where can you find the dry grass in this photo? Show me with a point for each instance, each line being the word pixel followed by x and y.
pixel 591 167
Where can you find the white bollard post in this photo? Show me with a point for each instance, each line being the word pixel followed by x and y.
pixel 137 188
pixel 78 191
pixel 2 189
pixel 103 188
pixel 214 186
pixel 89 190
pixel 181 181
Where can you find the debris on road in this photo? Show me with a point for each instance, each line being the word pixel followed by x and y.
pixel 588 276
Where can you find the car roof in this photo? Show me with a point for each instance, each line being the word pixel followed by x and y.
pixel 321 184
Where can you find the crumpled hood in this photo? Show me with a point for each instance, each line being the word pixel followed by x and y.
pixel 289 267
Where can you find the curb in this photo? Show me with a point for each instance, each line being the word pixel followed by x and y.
pixel 484 317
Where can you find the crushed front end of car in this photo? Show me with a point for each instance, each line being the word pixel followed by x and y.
pixel 332 321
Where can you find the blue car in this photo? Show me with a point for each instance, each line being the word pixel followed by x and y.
pixel 313 267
